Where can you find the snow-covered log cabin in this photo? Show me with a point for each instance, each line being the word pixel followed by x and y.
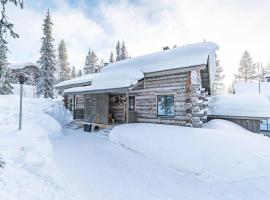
pixel 30 70
pixel 168 87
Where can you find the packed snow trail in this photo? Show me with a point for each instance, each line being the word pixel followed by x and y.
pixel 101 170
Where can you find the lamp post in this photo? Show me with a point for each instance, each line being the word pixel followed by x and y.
pixel 22 80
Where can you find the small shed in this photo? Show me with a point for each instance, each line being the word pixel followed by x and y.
pixel 246 110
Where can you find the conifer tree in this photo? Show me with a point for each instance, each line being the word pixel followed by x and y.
pixel 247 69
pixel 111 60
pixel 73 72
pixel 80 73
pixel 101 64
pixel 90 63
pixel 218 85
pixel 118 51
pixel 87 65
pixel 124 53
pixel 46 60
pixel 6 28
pixel 62 61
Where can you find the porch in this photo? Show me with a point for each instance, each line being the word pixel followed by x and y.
pixel 102 108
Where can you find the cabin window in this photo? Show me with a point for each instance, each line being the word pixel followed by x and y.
pixel 165 105
pixel 131 103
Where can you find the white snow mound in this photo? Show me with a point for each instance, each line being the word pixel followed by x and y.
pixel 30 171
pixel 210 154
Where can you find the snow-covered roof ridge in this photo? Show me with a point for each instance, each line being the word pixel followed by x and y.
pixel 21 65
pixel 133 69
pixel 240 105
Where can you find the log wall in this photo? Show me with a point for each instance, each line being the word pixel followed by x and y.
pixel 146 98
pixel 252 125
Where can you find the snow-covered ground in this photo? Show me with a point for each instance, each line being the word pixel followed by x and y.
pixel 28 90
pixel 30 172
pixel 221 161
pixel 151 161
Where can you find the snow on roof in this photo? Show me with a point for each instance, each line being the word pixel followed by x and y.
pixel 244 88
pixel 240 105
pixel 20 65
pixel 133 69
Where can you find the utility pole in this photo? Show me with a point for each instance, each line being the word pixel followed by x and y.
pixel 259 76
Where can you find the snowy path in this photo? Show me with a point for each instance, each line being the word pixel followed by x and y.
pixel 100 170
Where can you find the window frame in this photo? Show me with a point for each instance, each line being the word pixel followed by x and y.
pixel 129 104
pixel 166 115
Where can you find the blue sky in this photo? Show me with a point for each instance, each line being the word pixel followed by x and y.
pixel 146 26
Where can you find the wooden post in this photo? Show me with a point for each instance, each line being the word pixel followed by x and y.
pixel 74 107
pixel 127 107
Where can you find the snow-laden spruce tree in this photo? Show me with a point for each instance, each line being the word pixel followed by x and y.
pixel 247 70
pixel 111 60
pixel 80 73
pixel 6 28
pixel 218 84
pixel 46 61
pixel 87 65
pixel 124 52
pixel 118 51
pixel 62 62
pixel 91 61
pixel 73 72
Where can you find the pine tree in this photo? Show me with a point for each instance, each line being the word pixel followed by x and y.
pixel 73 72
pixel 5 28
pixel 46 60
pixel 101 65
pixel 247 69
pixel 111 58
pixel 80 73
pixel 91 62
pixel 87 67
pixel 218 85
pixel 62 61
pixel 124 53
pixel 118 51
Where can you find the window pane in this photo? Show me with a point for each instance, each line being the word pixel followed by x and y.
pixel 166 105
pixel 170 110
pixel 161 105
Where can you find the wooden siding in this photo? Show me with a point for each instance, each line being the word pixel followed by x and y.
pixel 146 98
pixel 252 125
pixel 117 108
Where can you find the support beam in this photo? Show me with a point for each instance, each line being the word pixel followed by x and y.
pixel 127 107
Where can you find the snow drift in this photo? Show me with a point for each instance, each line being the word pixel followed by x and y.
pixel 30 171
pixel 208 154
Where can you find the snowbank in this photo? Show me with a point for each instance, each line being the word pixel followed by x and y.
pixel 209 154
pixel 30 171
pixel 28 90
pixel 248 105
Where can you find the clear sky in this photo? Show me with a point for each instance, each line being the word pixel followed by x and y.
pixel 146 26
